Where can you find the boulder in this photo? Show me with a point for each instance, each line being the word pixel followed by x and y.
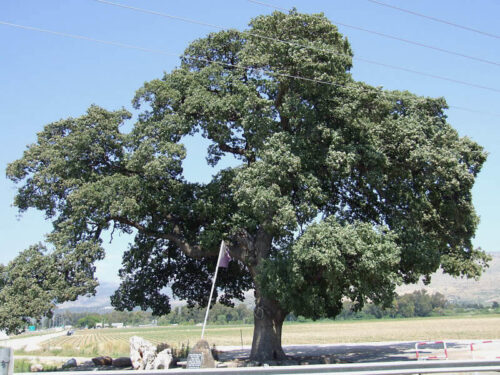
pixel 70 363
pixel 102 361
pixel 163 360
pixel 142 353
pixel 162 346
pixel 201 356
pixel 122 362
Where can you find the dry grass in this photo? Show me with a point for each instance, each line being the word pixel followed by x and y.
pixel 114 342
pixel 394 330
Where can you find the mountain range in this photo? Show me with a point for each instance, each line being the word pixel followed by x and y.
pixel 484 291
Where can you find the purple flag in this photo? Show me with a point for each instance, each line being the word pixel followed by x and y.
pixel 224 261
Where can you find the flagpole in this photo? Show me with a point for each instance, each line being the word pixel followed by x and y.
pixel 213 287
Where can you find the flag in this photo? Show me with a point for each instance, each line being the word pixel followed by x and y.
pixel 224 261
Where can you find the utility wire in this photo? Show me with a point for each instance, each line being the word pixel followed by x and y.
pixel 435 76
pixel 425 74
pixel 388 95
pixel 188 20
pixel 423 45
pixel 430 75
pixel 130 46
pixel 394 37
pixel 82 37
pixel 435 19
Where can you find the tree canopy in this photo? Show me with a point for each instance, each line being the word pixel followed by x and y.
pixel 35 281
pixel 343 190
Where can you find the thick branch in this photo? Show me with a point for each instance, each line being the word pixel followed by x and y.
pixel 280 96
pixel 192 251
pixel 241 247
pixel 233 150
pixel 238 151
pixel 250 249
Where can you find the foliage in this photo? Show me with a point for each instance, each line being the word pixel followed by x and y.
pixel 416 304
pixel 88 321
pixel 35 281
pixel 219 314
pixel 371 187
pixel 408 305
pixel 128 318
pixel 332 261
pixel 24 365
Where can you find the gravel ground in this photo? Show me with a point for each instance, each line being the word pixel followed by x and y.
pixel 374 352
pixel 327 353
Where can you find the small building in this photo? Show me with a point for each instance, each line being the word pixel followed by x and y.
pixel 117 325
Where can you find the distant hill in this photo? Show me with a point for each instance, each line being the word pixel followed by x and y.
pixel 485 290
pixel 100 303
pixel 95 303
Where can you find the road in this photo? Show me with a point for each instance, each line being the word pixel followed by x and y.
pixel 31 343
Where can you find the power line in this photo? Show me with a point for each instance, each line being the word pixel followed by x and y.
pixel 423 45
pixel 425 74
pixel 430 75
pixel 188 20
pixel 465 109
pixel 388 95
pixel 165 15
pixel 196 22
pixel 130 46
pixel 82 37
pixel 435 76
pixel 435 19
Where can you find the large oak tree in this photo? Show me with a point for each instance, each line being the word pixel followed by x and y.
pixel 343 190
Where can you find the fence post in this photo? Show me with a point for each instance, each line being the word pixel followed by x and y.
pixel 6 361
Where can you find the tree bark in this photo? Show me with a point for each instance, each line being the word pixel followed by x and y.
pixel 268 323
pixel 268 315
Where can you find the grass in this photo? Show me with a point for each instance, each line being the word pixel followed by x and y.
pixel 114 342
pixel 24 365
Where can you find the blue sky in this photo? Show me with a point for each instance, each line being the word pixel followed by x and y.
pixel 44 78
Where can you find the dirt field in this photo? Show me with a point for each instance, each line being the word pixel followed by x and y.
pixel 114 342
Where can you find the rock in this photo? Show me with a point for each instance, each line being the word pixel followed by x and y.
pixel 215 353
pixel 122 362
pixel 162 346
pixel 70 363
pixel 36 367
pixel 202 348
pixel 142 353
pixel 103 361
pixel 163 360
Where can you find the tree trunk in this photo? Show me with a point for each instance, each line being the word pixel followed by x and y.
pixel 268 322
pixel 268 315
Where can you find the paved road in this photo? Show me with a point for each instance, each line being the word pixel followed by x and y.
pixel 30 343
